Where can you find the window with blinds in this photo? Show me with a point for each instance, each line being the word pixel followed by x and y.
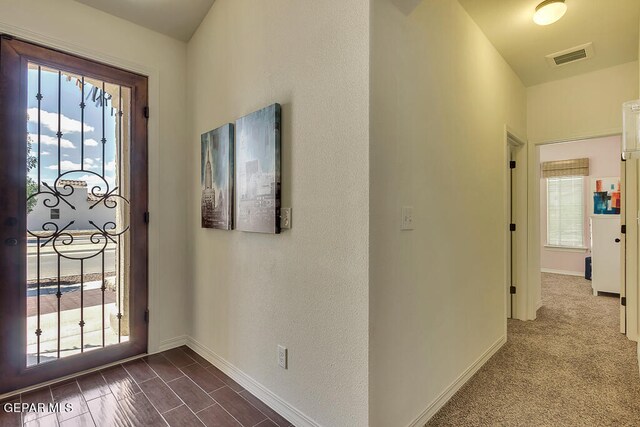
pixel 565 211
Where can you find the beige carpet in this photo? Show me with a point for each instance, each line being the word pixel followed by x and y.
pixel 570 367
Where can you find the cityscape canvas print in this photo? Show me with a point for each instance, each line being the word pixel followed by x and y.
pixel 258 171
pixel 216 176
pixel 606 196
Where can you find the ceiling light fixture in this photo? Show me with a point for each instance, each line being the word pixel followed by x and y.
pixel 549 11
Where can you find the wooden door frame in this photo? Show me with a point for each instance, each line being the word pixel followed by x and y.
pixel 14 54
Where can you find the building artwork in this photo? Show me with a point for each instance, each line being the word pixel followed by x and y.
pixel 208 194
pixel 217 178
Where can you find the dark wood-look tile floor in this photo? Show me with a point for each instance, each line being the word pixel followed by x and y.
pixel 176 388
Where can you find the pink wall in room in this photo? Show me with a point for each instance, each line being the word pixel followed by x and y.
pixel 604 161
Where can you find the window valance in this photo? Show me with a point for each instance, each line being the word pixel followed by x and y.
pixel 573 167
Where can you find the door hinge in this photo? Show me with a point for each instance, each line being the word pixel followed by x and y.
pixel 146 315
pixel 146 217
pixel 623 229
pixel 146 112
pixel 622 158
pixel 512 290
pixel 12 241
pixel 512 227
pixel 623 301
pixel 512 164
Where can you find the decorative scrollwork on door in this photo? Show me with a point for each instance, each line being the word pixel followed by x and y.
pixel 61 193
pixel 78 218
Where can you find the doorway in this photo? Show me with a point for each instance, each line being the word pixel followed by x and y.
pixel 73 232
pixel 582 246
pixel 516 225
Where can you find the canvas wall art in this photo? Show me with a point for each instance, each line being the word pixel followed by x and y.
pixel 216 178
pixel 606 196
pixel 257 203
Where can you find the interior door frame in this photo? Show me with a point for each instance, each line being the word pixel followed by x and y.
pixel 516 257
pixel 14 54
pixel 630 199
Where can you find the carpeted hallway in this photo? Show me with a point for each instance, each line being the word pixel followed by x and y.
pixel 570 367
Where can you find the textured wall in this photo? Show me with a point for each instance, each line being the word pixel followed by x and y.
pixel 307 288
pixel 583 106
pixel 88 32
pixel 441 96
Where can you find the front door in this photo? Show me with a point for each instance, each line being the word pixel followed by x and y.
pixel 73 202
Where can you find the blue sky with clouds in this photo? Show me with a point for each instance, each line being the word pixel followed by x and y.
pixel 70 123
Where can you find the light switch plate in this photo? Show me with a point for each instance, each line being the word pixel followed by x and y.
pixel 285 218
pixel 282 356
pixel 407 218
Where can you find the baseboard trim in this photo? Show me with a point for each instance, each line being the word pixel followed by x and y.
pixel 448 392
pixel 293 415
pixel 564 272
pixel 173 343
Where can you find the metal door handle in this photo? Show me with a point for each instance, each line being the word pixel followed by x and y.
pixel 11 242
pixel 617 240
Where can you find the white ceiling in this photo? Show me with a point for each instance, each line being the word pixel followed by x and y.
pixel 176 18
pixel 612 26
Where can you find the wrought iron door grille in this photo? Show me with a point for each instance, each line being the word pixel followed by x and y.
pixel 78 213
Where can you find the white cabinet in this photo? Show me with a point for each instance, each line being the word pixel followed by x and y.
pixel 605 254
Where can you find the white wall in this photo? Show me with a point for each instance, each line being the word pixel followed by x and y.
pixel 306 288
pixel 79 29
pixel 604 161
pixel 587 105
pixel 441 96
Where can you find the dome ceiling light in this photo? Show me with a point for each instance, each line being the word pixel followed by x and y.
pixel 549 11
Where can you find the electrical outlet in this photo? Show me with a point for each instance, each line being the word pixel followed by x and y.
pixel 407 218
pixel 285 218
pixel 282 357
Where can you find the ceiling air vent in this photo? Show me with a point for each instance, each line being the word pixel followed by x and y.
pixel 568 56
